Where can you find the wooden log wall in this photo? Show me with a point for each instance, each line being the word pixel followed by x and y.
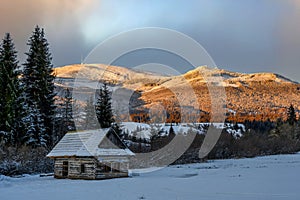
pixel 90 168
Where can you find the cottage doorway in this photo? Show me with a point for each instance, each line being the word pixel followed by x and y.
pixel 65 169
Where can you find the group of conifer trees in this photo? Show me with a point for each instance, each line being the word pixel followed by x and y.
pixel 28 112
pixel 27 108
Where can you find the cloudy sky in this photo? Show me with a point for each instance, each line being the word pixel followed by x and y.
pixel 244 36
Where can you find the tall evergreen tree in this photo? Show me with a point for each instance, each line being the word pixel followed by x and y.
pixel 64 121
pixel 90 115
pixel 291 115
pixel 68 111
pixel 10 108
pixel 38 85
pixel 35 126
pixel 104 107
pixel 171 131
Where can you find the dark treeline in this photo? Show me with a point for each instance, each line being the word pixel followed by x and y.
pixel 260 139
pixel 257 139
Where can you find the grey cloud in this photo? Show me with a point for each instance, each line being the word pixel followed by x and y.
pixel 245 36
pixel 62 20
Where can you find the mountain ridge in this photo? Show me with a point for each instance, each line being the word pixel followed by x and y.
pixel 71 71
pixel 259 96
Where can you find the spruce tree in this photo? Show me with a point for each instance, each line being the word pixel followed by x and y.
pixel 104 107
pixel 35 126
pixel 39 87
pixel 90 115
pixel 64 121
pixel 291 115
pixel 10 108
pixel 171 132
pixel 48 96
pixel 68 111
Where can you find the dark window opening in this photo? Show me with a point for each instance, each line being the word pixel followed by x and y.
pixel 65 168
pixel 82 168
pixel 107 167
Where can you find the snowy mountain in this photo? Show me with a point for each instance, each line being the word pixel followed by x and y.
pixel 259 96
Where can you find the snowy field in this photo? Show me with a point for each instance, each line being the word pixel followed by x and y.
pixel 272 177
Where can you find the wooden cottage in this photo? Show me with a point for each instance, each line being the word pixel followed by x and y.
pixel 94 154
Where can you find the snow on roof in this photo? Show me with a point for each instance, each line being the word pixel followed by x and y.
pixel 86 143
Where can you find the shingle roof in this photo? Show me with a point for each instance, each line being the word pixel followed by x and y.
pixel 86 144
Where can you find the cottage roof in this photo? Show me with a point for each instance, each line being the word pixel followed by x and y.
pixel 86 144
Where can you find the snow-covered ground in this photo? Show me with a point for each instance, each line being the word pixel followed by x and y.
pixel 143 130
pixel 272 177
